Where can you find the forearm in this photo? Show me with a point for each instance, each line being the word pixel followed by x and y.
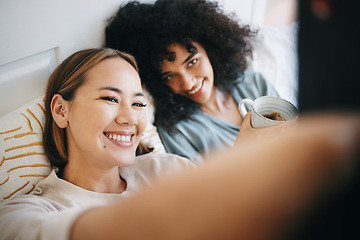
pixel 252 193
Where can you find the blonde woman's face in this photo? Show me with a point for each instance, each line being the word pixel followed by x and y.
pixel 107 115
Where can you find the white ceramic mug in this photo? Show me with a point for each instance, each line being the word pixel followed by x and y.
pixel 267 105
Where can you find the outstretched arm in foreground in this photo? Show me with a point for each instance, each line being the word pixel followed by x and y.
pixel 255 191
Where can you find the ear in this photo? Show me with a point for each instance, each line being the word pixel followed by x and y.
pixel 59 110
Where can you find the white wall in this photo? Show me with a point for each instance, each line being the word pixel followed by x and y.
pixel 32 26
pixel 36 35
pixel 251 11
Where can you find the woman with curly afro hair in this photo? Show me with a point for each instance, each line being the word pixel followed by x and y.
pixel 192 59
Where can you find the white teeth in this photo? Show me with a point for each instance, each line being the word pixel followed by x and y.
pixel 195 90
pixel 119 138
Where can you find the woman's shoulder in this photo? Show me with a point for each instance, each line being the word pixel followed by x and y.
pixel 154 165
pixel 35 203
pixel 31 210
pixel 250 76
pixel 52 187
pixel 160 163
pixel 185 128
pixel 252 85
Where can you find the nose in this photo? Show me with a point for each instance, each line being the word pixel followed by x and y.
pixel 126 115
pixel 187 81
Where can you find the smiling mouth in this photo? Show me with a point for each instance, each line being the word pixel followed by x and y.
pixel 196 89
pixel 119 137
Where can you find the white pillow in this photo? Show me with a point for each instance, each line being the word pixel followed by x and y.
pixel 150 136
pixel 275 56
pixel 23 163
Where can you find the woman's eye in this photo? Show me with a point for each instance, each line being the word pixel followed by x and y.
pixel 110 99
pixel 139 104
pixel 169 77
pixel 192 62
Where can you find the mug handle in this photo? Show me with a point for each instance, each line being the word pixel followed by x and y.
pixel 242 108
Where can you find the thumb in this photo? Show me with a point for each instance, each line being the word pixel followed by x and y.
pixel 246 123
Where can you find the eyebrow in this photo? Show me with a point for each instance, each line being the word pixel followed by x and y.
pixel 187 59
pixel 164 73
pixel 119 91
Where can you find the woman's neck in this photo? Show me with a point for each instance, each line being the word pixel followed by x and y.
pixel 97 180
pixel 222 106
pixel 216 102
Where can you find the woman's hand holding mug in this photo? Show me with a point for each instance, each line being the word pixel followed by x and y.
pixel 268 111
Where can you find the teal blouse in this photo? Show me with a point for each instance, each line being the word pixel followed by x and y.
pixel 195 138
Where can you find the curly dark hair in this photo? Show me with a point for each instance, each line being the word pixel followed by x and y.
pixel 146 30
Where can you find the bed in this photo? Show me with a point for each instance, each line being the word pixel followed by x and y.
pixel 37 35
